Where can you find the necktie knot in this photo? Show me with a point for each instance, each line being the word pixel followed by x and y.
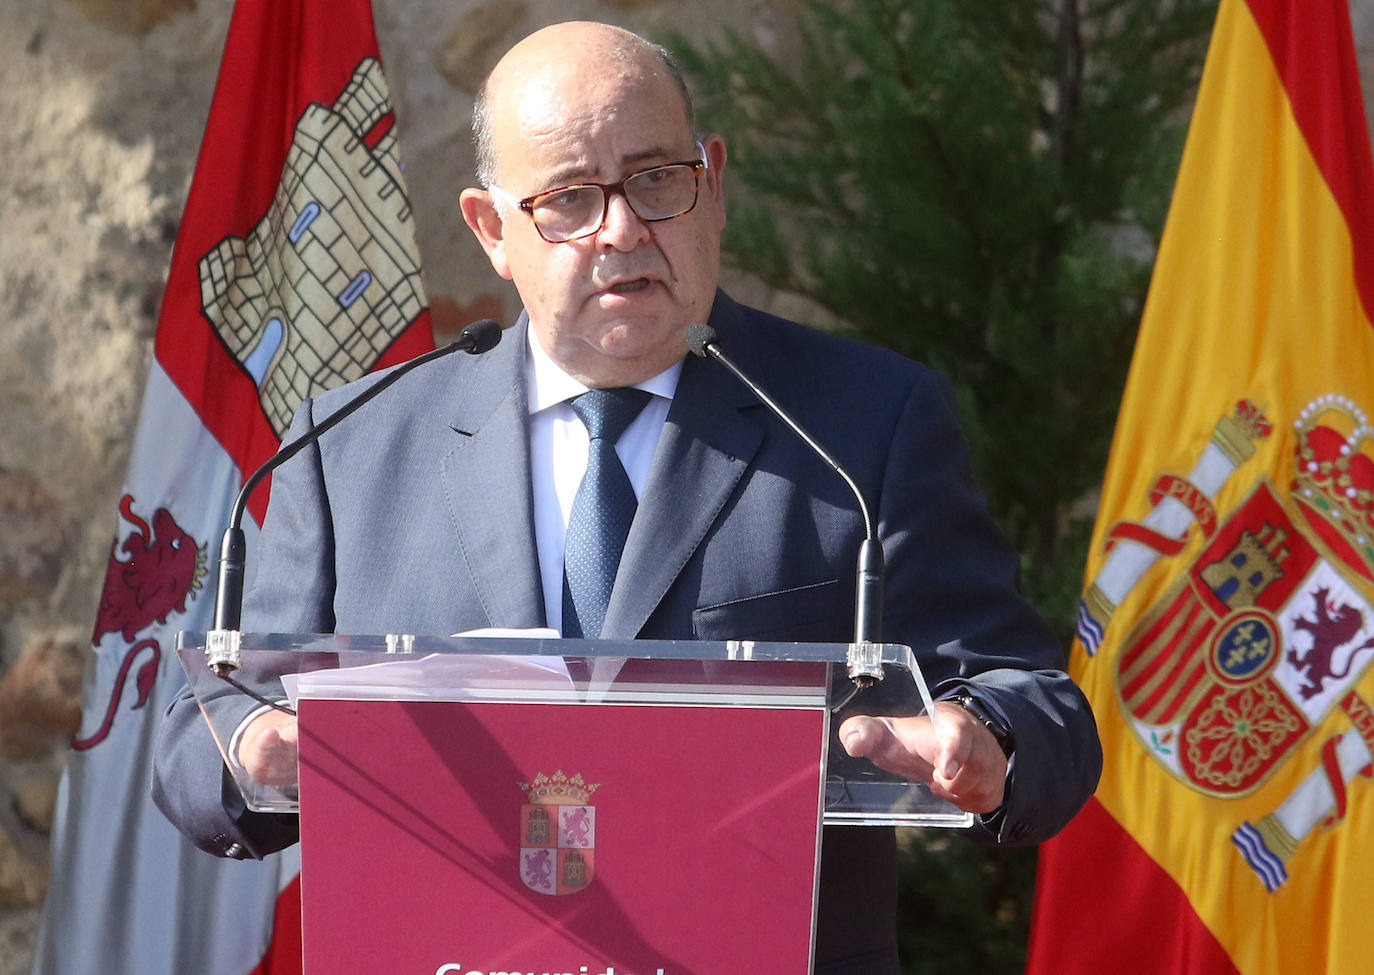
pixel 606 413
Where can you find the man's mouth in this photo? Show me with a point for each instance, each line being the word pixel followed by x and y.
pixel 628 287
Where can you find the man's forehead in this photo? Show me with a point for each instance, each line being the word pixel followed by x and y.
pixel 581 94
pixel 569 130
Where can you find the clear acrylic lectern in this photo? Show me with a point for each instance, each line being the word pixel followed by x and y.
pixel 541 668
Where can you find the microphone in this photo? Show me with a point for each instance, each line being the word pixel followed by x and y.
pixel 481 336
pixel 868 603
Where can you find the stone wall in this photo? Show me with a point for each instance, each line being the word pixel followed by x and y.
pixel 104 103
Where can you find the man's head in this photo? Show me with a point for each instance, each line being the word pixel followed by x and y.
pixel 586 103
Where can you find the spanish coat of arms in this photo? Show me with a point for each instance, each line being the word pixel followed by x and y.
pixel 1268 630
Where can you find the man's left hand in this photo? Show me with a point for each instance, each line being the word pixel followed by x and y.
pixel 956 755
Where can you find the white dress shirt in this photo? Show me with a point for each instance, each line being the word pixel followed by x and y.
pixel 558 456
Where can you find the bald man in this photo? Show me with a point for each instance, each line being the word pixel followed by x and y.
pixel 603 205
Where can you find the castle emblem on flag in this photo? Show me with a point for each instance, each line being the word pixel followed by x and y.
pixel 315 293
pixel 1267 632
pixel 557 834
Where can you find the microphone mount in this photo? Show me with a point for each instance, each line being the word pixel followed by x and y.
pixel 865 667
pixel 222 644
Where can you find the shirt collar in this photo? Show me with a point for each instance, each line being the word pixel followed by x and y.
pixel 548 385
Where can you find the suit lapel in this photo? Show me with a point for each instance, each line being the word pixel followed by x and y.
pixel 706 446
pixel 486 479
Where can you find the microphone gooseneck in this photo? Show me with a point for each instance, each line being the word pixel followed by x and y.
pixel 481 336
pixel 868 605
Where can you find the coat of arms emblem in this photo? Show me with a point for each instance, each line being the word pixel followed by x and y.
pixel 1266 633
pixel 557 834
pixel 1258 639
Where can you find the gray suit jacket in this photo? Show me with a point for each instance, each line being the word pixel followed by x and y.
pixel 416 516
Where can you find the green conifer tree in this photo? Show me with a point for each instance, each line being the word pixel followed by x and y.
pixel 980 186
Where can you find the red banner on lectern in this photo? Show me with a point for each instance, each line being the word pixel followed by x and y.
pixel 638 839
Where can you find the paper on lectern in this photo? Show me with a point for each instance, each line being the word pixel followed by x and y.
pixel 437 676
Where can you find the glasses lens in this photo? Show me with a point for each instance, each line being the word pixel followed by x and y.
pixel 568 213
pixel 662 192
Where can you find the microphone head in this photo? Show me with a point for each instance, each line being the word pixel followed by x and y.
pixel 699 336
pixel 481 336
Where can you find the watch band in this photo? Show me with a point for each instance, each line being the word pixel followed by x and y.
pixel 999 731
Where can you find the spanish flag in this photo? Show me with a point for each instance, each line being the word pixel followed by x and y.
pixel 1226 633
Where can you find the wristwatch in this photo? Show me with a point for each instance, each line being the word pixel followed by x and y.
pixel 999 731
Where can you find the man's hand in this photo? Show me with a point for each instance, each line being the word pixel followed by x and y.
pixel 268 749
pixel 957 756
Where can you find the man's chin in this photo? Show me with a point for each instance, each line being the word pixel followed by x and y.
pixel 630 336
pixel 626 354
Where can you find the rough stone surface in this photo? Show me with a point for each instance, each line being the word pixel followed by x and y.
pixel 40 695
pixel 131 16
pixel 30 558
pixel 477 43
pixel 104 103
pixel 18 929
pixel 22 883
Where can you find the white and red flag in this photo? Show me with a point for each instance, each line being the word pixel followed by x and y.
pixel 295 269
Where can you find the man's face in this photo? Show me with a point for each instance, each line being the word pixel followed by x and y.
pixel 610 308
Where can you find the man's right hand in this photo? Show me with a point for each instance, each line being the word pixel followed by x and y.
pixel 268 749
pixel 955 755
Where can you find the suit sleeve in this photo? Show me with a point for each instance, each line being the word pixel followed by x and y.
pixel 292 593
pixel 953 596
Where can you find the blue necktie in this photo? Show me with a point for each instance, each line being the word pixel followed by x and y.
pixel 602 510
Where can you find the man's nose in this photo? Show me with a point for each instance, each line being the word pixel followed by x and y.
pixel 622 228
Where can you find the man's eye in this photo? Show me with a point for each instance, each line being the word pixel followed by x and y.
pixel 563 199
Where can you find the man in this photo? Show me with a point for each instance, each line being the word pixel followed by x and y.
pixel 602 206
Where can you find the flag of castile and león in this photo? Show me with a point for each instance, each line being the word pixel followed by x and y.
pixel 1226 633
pixel 295 269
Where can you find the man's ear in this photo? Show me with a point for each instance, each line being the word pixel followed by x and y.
pixel 479 213
pixel 715 175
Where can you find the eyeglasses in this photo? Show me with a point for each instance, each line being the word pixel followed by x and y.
pixel 577 211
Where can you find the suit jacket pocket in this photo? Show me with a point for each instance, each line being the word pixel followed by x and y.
pixel 804 614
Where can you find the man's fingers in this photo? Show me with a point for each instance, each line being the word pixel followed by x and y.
pixel 269 750
pixel 881 742
pixel 289 732
pixel 861 735
pixel 953 750
pixel 971 770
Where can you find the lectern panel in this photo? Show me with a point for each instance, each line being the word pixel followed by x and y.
pixel 644 839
